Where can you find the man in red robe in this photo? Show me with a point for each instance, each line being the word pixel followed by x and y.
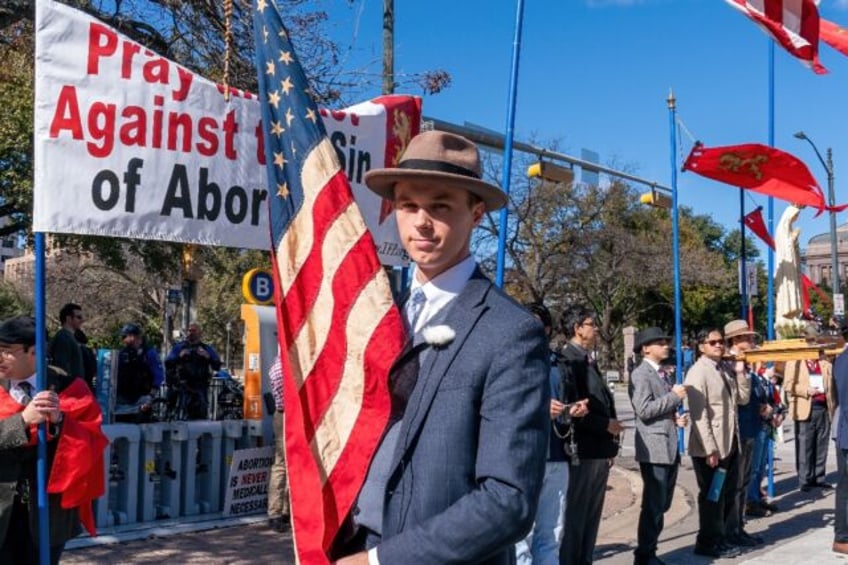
pixel 74 449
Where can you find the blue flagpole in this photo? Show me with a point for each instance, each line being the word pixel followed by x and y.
pixel 41 384
pixel 743 261
pixel 675 238
pixel 510 124
pixel 770 225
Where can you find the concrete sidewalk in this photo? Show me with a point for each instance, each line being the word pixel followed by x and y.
pixel 802 532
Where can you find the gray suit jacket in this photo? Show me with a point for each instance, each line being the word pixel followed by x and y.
pixel 655 409
pixel 468 467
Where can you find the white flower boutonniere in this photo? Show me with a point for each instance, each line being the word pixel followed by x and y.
pixel 438 336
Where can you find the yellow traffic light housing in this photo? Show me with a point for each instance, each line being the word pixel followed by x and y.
pixel 550 172
pixel 656 198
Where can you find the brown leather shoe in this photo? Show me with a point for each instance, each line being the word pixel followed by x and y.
pixel 840 547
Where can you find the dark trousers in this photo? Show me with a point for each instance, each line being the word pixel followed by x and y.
pixel 840 524
pixel 19 547
pixel 812 437
pixel 657 492
pixel 713 516
pixel 736 509
pixel 587 487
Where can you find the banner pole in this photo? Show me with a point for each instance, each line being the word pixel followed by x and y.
pixel 508 137
pixel 770 220
pixel 41 384
pixel 675 237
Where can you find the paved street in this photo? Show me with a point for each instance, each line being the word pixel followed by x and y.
pixel 801 533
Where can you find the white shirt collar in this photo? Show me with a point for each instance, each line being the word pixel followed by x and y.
pixel 653 364
pixel 443 288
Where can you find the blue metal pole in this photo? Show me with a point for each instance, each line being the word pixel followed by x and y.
pixel 743 262
pixel 770 222
pixel 510 124
pixel 675 238
pixel 41 384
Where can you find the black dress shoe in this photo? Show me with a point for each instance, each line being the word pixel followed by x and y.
pixel 824 486
pixel 652 560
pixel 749 540
pixel 806 487
pixel 729 550
pixel 718 551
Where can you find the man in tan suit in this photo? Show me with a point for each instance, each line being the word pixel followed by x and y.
pixel 809 386
pixel 714 389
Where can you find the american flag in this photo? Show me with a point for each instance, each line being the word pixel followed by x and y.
pixel 794 24
pixel 339 329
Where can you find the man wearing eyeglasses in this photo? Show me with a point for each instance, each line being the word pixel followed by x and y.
pixel 75 445
pixel 714 389
pixel 596 435
pixel 64 349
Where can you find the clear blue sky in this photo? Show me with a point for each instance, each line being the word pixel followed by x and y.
pixel 596 74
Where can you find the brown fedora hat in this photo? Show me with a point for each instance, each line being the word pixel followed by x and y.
pixel 737 328
pixel 441 157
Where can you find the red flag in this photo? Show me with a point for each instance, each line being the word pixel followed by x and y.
pixel 77 470
pixel 762 169
pixel 794 24
pixel 834 35
pixel 754 221
pixel 339 329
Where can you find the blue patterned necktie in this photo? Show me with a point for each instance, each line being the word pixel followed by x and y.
pixel 26 389
pixel 414 306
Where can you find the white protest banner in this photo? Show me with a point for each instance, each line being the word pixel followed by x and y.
pixel 247 485
pixel 130 144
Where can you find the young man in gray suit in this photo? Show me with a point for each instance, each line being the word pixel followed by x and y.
pixel 655 398
pixel 456 478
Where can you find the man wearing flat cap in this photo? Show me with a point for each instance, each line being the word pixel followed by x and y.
pixel 74 449
pixel 456 478
pixel 140 375
pixel 655 399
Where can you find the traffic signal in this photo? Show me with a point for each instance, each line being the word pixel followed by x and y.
pixel 656 198
pixel 550 172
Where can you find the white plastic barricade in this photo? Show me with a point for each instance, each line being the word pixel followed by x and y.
pixel 159 481
pixel 233 438
pixel 119 501
pixel 201 476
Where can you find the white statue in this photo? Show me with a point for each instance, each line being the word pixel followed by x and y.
pixel 786 274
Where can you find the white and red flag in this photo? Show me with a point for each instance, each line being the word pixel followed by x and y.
pixel 339 329
pixel 794 24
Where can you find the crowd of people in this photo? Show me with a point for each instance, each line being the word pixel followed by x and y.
pixel 498 447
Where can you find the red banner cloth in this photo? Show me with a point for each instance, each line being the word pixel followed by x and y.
pixel 762 169
pixel 77 472
pixel 792 24
pixel 834 35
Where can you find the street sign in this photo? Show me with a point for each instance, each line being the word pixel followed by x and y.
pixel 750 278
pixel 838 304
pixel 257 287
pixel 175 295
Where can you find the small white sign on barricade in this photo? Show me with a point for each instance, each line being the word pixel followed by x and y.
pixel 247 484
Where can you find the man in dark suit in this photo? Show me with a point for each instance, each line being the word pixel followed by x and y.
pixel 840 383
pixel 456 478
pixel 596 435
pixel 655 400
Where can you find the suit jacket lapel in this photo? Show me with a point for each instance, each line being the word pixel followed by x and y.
pixel 435 363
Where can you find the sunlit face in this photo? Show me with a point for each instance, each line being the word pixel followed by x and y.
pixel 435 225
pixel 17 362
pixel 713 346
pixel 586 332
pixel 656 350
pixel 743 342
